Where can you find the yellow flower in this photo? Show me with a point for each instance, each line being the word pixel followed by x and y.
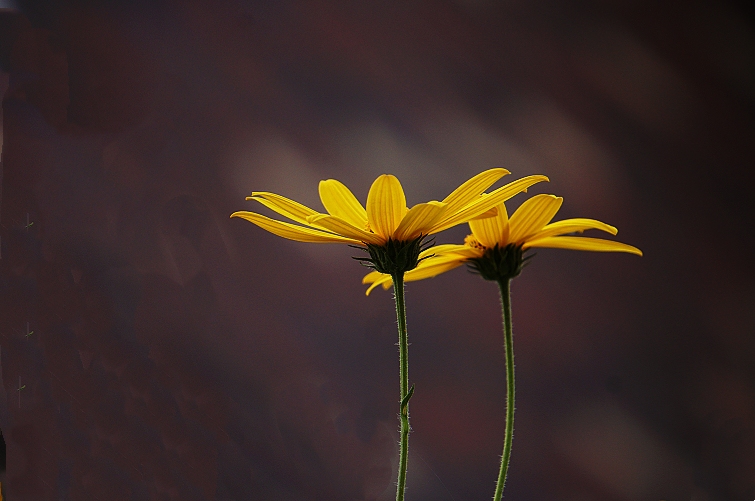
pixel 386 217
pixel 529 226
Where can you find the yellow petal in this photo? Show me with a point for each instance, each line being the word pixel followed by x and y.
pixel 339 201
pixel 493 230
pixel 376 278
pixel 486 202
pixel 471 189
pixel 572 225
pixel 445 252
pixel 428 268
pixel 283 206
pixel 292 231
pixel 583 243
pixel 386 205
pixel 532 215
pixel 443 249
pixel 434 266
pixel 386 282
pixel 418 220
pixel 341 227
pixel 490 213
pixel 372 276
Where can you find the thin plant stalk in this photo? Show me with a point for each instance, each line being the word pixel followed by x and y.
pixel 406 392
pixel 508 337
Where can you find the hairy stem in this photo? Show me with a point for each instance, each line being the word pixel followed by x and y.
pixel 406 392
pixel 508 337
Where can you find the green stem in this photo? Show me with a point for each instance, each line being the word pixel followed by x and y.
pixel 406 392
pixel 508 337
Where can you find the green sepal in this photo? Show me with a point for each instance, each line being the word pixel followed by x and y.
pixel 500 263
pixel 395 256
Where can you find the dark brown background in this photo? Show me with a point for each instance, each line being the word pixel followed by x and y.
pixel 179 354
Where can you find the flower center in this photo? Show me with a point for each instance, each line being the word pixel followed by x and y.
pixel 471 241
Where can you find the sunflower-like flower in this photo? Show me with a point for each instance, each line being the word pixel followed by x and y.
pixel 495 246
pixel 388 229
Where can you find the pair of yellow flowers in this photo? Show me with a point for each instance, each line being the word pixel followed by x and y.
pixel 387 218
pixel 393 235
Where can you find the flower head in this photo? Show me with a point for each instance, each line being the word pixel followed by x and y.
pixel 495 246
pixel 386 216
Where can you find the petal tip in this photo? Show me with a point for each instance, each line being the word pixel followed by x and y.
pixel 388 177
pixel 370 288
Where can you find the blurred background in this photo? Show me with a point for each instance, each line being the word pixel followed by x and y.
pixel 154 349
